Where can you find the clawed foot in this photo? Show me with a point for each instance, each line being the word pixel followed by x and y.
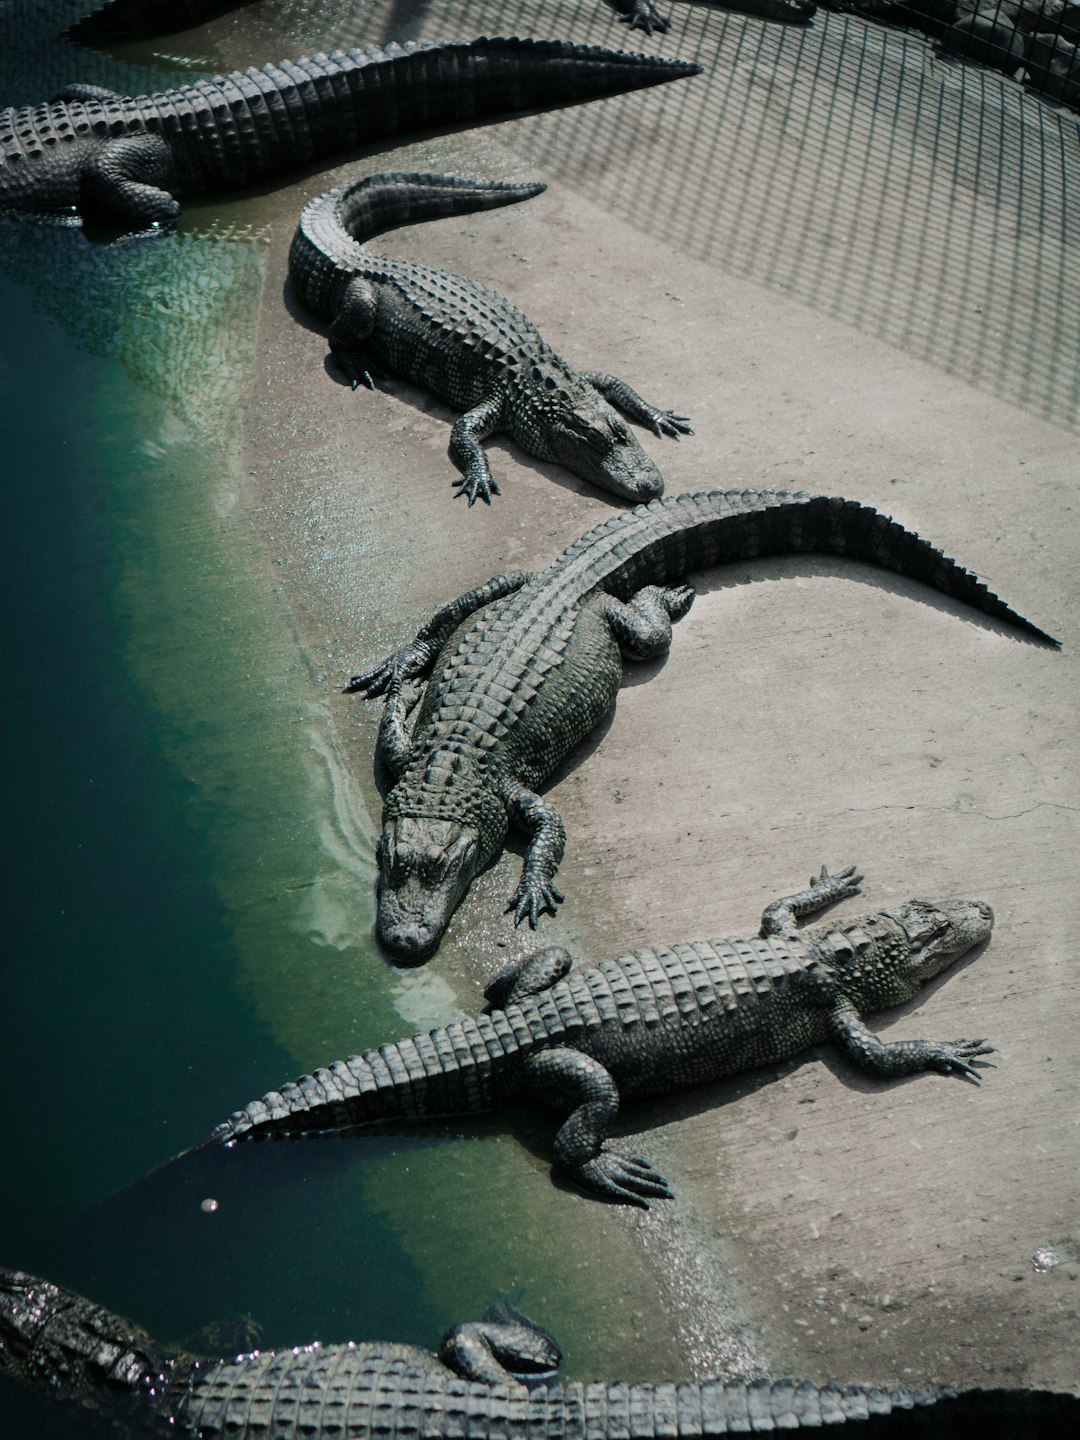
pixel 836 887
pixel 950 1057
pixel 666 422
pixel 678 599
pixel 642 15
pixel 406 664
pixel 630 1179
pixel 535 896
pixel 357 368
pixel 476 484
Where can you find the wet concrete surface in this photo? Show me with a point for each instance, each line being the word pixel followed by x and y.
pixel 825 1223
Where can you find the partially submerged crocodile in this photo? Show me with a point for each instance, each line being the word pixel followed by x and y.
pixel 476 1386
pixel 466 342
pixel 522 668
pixel 122 160
pixel 655 1020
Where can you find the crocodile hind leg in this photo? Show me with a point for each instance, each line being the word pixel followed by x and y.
pixel 642 625
pixel 616 392
pixel 496 1351
pixel 781 917
pixel 125 179
pixel 394 744
pixel 566 1079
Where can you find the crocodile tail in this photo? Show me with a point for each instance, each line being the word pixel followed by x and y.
pixel 424 83
pixel 642 1412
pixel 326 246
pixel 690 532
pixel 713 1407
pixel 380 202
pixel 449 1071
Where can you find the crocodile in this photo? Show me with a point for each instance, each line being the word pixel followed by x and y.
pixel 121 160
pixel 466 342
pixel 489 1378
pixel 645 15
pixel 152 17
pixel 655 1020
pixel 521 668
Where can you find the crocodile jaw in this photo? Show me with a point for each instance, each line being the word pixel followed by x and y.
pixel 425 868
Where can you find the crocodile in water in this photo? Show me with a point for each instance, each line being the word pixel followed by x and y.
pixel 478 1385
pixel 522 668
pixel 466 342
pixel 121 159
pixel 655 1020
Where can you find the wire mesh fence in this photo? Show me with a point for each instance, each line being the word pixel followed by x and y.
pixel 874 172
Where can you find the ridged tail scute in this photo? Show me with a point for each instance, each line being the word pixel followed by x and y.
pixel 697 531
pixel 493 75
pixel 382 202
pixel 326 248
pixel 642 1412
pixel 449 1071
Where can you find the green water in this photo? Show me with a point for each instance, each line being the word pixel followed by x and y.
pixel 188 869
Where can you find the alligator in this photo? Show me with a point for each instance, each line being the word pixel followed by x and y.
pixel 466 342
pixel 489 1378
pixel 152 17
pixel 520 669
pixel 645 15
pixel 121 160
pixel 658 1019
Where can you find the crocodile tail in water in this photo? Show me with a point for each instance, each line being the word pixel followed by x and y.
pixel 449 1071
pixel 668 539
pixel 326 247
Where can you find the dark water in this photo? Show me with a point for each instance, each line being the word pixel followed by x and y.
pixel 187 870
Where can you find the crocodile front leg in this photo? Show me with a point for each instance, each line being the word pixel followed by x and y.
pixel 393 747
pixel 415 660
pixel 124 180
pixel 902 1057
pixel 781 917
pixel 616 392
pixel 640 15
pixel 480 422
pixel 535 893
pixel 568 1080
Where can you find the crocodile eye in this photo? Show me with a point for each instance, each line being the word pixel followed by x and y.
pixel 432 862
